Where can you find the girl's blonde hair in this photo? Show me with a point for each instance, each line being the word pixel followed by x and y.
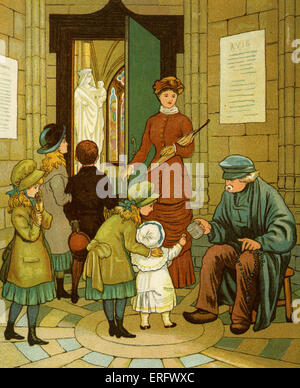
pixel 126 215
pixel 53 160
pixel 18 200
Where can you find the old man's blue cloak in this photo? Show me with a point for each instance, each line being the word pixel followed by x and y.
pixel 258 213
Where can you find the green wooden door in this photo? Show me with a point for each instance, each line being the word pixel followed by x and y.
pixel 143 61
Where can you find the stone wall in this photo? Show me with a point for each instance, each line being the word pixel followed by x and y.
pixel 12 35
pixel 289 107
pixel 258 141
pixel 274 145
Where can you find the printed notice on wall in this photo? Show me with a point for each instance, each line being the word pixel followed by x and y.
pixel 243 78
pixel 8 98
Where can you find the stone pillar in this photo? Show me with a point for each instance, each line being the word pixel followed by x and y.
pixel 297 123
pixel 86 55
pixel 203 97
pixel 36 81
pixel 287 79
pixel 195 81
pixel 28 80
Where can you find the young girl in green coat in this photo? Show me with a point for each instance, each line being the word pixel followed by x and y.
pixel 108 270
pixel 27 272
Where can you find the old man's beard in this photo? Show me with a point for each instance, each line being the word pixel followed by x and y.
pixel 229 188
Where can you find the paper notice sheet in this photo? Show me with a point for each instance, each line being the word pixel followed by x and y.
pixel 8 98
pixel 243 78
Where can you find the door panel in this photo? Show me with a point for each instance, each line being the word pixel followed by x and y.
pixel 144 55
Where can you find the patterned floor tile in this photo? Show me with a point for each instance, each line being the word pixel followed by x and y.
pixel 53 348
pixel 95 306
pixel 252 346
pixel 80 364
pixel 195 360
pixel 242 360
pixel 33 353
pixel 293 352
pixel 11 357
pixel 229 343
pixel 23 321
pixel 146 363
pixel 44 311
pixel 225 318
pixel 120 363
pixel 98 359
pixel 58 361
pixel 69 344
pixel 172 363
pixel 53 318
pixel 70 320
pixel 216 365
pixel 276 348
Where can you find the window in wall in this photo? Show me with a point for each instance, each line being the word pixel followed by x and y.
pixel 116 118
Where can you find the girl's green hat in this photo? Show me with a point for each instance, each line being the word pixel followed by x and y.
pixel 51 138
pixel 142 194
pixel 25 175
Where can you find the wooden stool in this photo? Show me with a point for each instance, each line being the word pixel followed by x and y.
pixel 287 301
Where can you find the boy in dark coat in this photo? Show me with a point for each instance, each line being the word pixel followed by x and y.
pixel 86 208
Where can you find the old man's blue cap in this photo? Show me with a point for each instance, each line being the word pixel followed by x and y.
pixel 236 166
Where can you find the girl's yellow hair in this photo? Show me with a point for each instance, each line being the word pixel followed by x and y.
pixel 18 200
pixel 53 160
pixel 126 215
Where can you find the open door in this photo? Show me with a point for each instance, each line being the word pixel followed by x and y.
pixel 143 68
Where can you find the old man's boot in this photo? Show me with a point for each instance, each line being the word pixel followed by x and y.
pixel 199 317
pixel 239 328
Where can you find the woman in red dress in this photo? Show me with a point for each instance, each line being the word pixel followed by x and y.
pixel 172 210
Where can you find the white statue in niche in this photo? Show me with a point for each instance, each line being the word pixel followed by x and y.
pixel 88 109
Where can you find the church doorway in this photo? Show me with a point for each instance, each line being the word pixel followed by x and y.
pixel 112 46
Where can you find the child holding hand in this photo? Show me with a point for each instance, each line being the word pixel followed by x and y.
pixel 155 290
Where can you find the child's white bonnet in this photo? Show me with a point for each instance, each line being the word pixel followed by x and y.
pixel 151 234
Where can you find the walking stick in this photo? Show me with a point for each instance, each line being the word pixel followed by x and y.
pixel 183 141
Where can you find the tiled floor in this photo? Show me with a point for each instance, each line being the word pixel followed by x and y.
pixel 78 338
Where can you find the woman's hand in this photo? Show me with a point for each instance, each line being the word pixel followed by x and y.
pixel 156 252
pixel 249 245
pixel 182 240
pixel 167 151
pixel 204 225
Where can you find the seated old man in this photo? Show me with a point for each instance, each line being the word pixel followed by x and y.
pixel 253 233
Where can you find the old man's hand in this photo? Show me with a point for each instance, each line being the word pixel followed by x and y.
pixel 249 245
pixel 204 225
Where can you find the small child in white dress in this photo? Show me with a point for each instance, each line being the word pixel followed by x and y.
pixel 155 290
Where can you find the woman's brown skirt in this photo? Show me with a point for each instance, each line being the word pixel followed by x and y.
pixel 175 218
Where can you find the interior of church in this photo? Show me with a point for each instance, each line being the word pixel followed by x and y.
pixel 122 47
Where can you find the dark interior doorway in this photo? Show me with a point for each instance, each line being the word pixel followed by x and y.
pixel 107 24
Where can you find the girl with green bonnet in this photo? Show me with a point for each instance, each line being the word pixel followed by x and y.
pixel 108 270
pixel 53 147
pixel 27 271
